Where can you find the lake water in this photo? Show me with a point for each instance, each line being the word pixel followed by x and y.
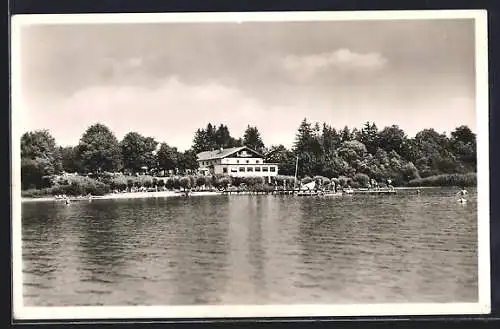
pixel 251 250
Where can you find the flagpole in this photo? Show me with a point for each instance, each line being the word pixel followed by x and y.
pixel 296 167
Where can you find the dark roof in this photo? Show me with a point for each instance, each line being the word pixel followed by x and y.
pixel 217 154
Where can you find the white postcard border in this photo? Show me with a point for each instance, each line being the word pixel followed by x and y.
pixel 20 312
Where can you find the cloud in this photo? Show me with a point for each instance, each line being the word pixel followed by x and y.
pixel 344 59
pixel 170 111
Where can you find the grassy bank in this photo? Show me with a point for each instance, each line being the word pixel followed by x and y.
pixel 469 179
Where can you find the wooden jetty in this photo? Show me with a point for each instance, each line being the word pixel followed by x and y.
pixel 305 193
pixel 374 191
pixel 258 192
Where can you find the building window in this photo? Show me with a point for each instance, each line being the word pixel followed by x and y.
pixel 234 169
pixel 237 161
pixel 242 169
pixel 248 161
pixel 224 170
pixel 272 169
pixel 257 161
pixel 249 169
pixel 257 168
pixel 264 169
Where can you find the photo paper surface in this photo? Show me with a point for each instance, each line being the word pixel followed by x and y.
pixel 225 165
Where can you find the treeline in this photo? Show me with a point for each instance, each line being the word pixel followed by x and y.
pixel 380 154
pixel 99 151
pixel 322 151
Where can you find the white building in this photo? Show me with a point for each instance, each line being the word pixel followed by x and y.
pixel 235 162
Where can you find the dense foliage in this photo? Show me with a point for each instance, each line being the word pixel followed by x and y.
pixel 379 154
pixel 349 157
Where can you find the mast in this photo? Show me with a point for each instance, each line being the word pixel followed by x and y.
pixel 296 167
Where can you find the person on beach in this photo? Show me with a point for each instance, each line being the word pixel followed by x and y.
pixel 389 184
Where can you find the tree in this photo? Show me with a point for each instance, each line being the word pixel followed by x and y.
pixel 331 139
pixel 213 138
pixel 393 138
pixel 463 145
pixel 252 139
pixel 99 150
pixel 223 137
pixel 34 172
pixel 433 154
pixel 39 158
pixel 303 137
pixel 199 141
pixel 167 157
pixel 138 151
pixel 69 159
pixel 187 160
pixel 352 150
pixel 369 136
pixel 345 134
pixel 463 134
pixel 285 159
pixel 38 143
pixel 305 148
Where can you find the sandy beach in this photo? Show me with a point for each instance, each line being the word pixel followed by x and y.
pixel 128 195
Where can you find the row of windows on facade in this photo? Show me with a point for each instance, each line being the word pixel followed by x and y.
pixel 250 169
pixel 206 163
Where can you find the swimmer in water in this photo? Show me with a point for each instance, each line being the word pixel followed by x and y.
pixel 462 193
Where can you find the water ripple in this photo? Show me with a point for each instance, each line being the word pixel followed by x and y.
pixel 251 249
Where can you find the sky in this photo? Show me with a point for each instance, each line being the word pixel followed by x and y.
pixel 165 80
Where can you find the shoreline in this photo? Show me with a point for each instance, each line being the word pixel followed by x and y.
pixel 127 195
pixel 166 194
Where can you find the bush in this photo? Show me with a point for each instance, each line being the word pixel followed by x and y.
pixel 71 185
pixel 169 183
pixel 176 181
pixel 237 181
pixel 201 180
pixel 118 183
pixel 222 182
pixel 345 181
pixel 410 172
pixel 291 181
pixel 321 180
pixel 185 182
pixel 469 179
pixel 192 180
pixel 262 188
pixel 253 181
pixel 361 180
pixel 130 183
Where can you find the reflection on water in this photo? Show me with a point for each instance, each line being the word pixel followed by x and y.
pixel 251 250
